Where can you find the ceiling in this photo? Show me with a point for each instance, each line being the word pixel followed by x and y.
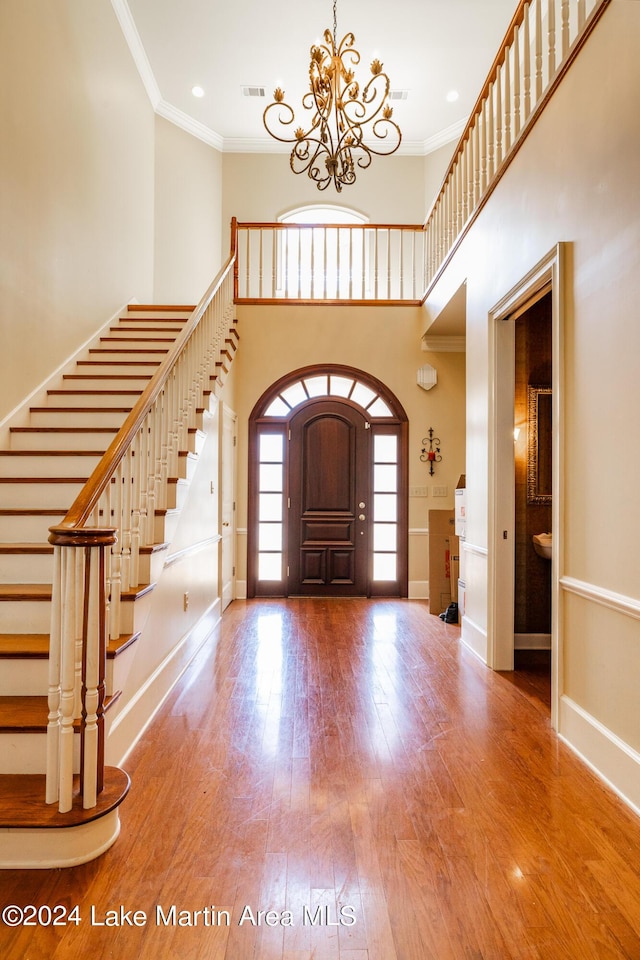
pixel 428 47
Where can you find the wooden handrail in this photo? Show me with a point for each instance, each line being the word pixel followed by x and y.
pixel 88 497
pixel 516 21
pixel 278 225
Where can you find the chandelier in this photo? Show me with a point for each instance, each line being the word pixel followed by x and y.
pixel 334 144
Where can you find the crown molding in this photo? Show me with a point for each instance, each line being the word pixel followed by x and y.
pixel 139 54
pixel 444 344
pixel 190 125
pixel 441 139
pixel 410 148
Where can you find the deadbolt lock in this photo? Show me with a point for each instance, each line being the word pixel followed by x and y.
pixel 362 504
pixel 362 517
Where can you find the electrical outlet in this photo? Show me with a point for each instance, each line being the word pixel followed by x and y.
pixel 186 601
pixel 440 491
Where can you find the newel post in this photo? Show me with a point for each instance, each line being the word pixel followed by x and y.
pixel 78 642
pixel 234 253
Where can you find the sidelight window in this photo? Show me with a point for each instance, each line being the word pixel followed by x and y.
pixel 270 505
pixel 385 506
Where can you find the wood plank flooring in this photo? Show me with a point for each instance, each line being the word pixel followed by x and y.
pixel 342 759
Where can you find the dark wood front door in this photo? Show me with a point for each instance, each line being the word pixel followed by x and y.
pixel 329 485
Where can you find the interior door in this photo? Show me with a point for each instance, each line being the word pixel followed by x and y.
pixel 329 483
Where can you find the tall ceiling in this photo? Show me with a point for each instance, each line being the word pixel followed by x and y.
pixel 428 48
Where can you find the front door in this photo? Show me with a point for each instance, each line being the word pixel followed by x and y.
pixel 329 487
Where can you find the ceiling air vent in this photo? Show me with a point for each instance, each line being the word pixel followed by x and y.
pixel 253 91
pixel 398 94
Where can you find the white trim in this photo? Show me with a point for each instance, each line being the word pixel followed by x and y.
pixel 453 132
pixel 129 725
pixel 474 638
pixel 189 124
pixel 613 760
pixel 30 848
pixel 418 531
pixel 191 549
pixel 241 589
pixel 418 590
pixel 136 48
pixel 474 549
pixel 444 344
pixel 532 641
pixel 64 367
pixel 629 606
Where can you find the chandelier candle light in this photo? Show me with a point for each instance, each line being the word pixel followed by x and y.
pixel 334 145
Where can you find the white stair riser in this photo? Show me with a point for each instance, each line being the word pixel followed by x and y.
pixel 94 399
pixel 26 568
pixel 112 383
pixel 116 356
pixel 95 367
pixel 29 676
pixel 61 441
pixel 79 418
pixel 25 529
pixel 134 613
pixel 35 495
pixel 141 335
pixel 24 677
pixel 31 465
pixel 154 341
pixel 27 752
pixel 25 616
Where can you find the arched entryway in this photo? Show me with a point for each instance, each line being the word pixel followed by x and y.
pixel 327 487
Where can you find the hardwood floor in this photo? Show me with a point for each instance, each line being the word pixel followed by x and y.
pixel 348 755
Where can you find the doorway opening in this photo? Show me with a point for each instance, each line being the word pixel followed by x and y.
pixel 525 474
pixel 328 491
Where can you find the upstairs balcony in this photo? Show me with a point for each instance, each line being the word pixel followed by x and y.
pixel 398 264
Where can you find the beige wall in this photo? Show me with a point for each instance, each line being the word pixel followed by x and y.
pixel 188 191
pixel 577 180
pixel 435 167
pixel 76 184
pixel 262 187
pixel 382 341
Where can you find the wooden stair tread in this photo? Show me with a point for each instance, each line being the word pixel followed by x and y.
pixel 51 453
pixel 35 646
pixel 159 307
pixel 43 480
pixel 68 429
pixel 32 645
pixel 134 350
pixel 22 799
pixel 31 714
pixel 25 591
pixel 35 512
pixel 80 409
pixel 26 547
pixel 137 339
pixel 94 393
pixel 107 376
pixel 146 329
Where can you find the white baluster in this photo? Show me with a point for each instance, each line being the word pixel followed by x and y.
pixel 507 98
pixel 538 45
pixel 490 108
pixel 499 116
pixel 551 14
pixel 527 63
pixel 484 148
pixel 55 690
pixel 248 263
pixel 516 83
pixel 476 168
pixel 260 264
pixel 565 28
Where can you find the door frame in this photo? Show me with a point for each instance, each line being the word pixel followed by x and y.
pixel 398 419
pixel 548 273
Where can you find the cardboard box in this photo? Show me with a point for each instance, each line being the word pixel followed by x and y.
pixel 443 560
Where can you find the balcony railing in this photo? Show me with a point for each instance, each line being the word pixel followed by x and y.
pixel 331 263
pixel 541 42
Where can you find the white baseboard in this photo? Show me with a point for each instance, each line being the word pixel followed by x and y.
pixel 241 590
pixel 613 760
pixel 418 589
pixel 136 715
pixel 475 638
pixel 532 641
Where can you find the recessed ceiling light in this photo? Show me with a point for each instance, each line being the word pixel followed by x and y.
pixel 452 96
pixel 197 91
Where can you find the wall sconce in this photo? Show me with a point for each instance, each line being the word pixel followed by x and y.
pixel 427 377
pixel 432 454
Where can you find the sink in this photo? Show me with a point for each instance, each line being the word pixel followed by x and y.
pixel 542 545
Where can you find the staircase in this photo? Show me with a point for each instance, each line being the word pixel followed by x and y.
pixel 46 464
